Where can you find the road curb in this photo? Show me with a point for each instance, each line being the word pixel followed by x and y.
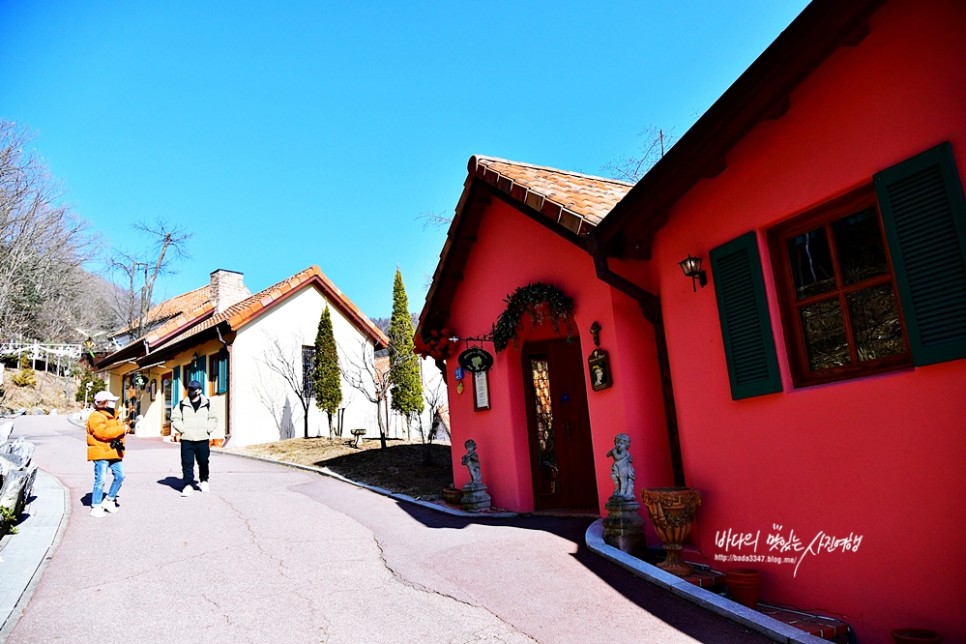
pixel 25 554
pixel 768 626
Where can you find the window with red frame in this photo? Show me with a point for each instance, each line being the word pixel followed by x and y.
pixel 872 281
pixel 837 290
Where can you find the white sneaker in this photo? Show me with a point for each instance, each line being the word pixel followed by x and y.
pixel 205 487
pixel 110 505
pixel 98 512
pixel 187 491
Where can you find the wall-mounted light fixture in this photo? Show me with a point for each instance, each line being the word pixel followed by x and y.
pixel 692 268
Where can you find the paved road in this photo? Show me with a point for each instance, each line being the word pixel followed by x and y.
pixel 276 554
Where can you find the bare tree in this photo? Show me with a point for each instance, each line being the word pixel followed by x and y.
pixel 437 220
pixel 370 377
pixel 287 362
pixel 139 272
pixel 435 397
pixel 631 169
pixel 42 247
pixel 273 399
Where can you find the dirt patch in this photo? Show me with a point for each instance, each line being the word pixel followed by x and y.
pixel 406 467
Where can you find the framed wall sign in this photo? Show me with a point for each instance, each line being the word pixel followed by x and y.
pixel 599 365
pixel 481 391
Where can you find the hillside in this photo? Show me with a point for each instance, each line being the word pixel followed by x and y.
pixel 51 393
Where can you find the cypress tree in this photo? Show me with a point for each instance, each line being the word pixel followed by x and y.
pixel 407 386
pixel 326 378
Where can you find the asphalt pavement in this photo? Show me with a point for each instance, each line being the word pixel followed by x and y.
pixel 280 554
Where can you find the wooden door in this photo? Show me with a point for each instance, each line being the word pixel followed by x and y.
pixel 561 455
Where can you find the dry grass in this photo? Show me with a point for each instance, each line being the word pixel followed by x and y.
pixel 407 467
pixel 50 393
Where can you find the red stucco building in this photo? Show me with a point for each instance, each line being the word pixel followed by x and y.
pixel 814 390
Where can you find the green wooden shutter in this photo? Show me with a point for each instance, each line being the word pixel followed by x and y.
pixel 745 325
pixel 176 386
pixel 924 215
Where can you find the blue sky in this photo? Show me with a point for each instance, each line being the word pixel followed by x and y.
pixel 286 134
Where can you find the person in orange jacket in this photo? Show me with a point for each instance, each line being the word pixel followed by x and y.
pixel 105 446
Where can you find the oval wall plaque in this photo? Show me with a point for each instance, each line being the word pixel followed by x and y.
pixel 475 360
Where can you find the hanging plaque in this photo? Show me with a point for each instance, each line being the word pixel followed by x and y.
pixel 475 360
pixel 599 366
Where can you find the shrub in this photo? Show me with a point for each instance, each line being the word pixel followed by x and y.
pixel 7 519
pixel 25 378
pixel 97 384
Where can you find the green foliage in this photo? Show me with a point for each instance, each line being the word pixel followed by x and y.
pixel 97 384
pixel 326 380
pixel 7 518
pixel 407 385
pixel 25 378
pixel 539 301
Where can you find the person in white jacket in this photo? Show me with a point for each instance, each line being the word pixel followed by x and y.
pixel 193 421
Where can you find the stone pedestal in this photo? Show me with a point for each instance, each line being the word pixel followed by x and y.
pixel 475 497
pixel 624 526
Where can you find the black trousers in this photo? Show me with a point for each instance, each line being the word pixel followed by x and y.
pixel 190 452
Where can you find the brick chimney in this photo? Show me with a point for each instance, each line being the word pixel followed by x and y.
pixel 227 288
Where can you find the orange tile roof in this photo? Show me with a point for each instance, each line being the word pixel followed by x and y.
pixel 573 203
pixel 240 313
pixel 176 307
pixel 576 201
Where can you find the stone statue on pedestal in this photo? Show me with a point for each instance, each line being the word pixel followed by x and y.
pixel 475 497
pixel 622 471
pixel 624 526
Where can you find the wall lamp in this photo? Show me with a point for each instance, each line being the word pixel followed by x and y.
pixel 692 268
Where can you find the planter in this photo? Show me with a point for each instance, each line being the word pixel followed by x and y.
pixel 452 495
pixel 671 510
pixel 216 442
pixel 744 585
pixel 916 636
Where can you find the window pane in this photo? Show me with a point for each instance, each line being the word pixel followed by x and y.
pixel 811 263
pixel 875 323
pixel 858 241
pixel 546 440
pixel 825 339
pixel 308 371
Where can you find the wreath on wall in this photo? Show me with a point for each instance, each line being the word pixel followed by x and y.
pixel 538 300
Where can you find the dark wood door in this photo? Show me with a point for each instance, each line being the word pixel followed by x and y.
pixel 561 455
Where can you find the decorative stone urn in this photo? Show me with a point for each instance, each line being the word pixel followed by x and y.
pixel 672 510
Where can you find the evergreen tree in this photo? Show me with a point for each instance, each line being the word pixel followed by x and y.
pixel 407 386
pixel 326 378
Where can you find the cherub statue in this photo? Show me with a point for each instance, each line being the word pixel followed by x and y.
pixel 622 471
pixel 472 460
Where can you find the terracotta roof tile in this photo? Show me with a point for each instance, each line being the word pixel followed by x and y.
pixel 240 313
pixel 176 308
pixel 577 201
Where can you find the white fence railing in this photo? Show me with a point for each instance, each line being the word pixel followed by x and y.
pixel 51 354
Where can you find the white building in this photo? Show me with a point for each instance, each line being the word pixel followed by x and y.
pixel 251 353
